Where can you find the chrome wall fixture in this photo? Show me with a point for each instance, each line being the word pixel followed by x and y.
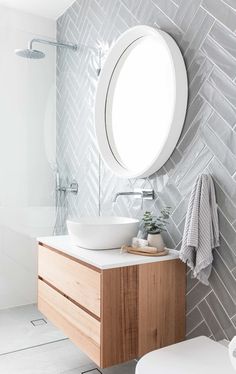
pixel 71 188
pixel 36 54
pixel 56 44
pixel 146 194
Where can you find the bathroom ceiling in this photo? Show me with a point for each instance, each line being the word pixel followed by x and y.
pixel 46 8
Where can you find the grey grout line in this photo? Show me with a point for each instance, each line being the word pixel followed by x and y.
pixel 191 125
pixel 168 18
pixel 211 115
pixel 226 195
pixel 221 306
pixel 196 305
pixel 225 266
pixel 205 57
pixel 226 220
pixel 175 4
pixel 190 23
pixel 226 52
pixel 162 11
pixel 177 205
pixel 196 327
pixel 199 48
pixel 180 239
pixel 208 163
pixel 215 65
pixel 130 12
pixel 222 233
pixel 175 245
pixel 217 19
pixel 177 188
pixel 187 293
pixel 195 77
pixel 207 34
pixel 215 110
pixel 206 79
pixel 223 1
pixel 181 221
pixel 33 346
pixel 217 89
pixel 221 141
pixel 216 318
pixel 212 332
pixel 195 140
pixel 223 119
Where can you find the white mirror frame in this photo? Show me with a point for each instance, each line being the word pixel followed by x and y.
pixel 181 97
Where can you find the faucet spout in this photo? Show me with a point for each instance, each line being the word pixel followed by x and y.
pixel 130 193
pixel 146 194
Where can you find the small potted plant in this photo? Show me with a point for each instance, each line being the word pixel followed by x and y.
pixel 153 226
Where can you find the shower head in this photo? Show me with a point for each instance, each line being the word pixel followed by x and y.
pixel 35 54
pixel 30 53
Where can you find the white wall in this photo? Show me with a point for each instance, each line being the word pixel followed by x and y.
pixel 27 152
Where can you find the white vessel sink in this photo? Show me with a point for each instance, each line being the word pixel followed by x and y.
pixel 102 232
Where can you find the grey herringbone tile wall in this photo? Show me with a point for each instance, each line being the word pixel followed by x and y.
pixel 205 32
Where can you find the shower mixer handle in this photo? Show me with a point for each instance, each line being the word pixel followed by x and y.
pixel 72 188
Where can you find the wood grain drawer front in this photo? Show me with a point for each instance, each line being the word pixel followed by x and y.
pixel 75 280
pixel 79 326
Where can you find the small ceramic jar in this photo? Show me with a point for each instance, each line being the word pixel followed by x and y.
pixel 155 240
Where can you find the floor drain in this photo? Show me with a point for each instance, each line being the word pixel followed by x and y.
pixel 92 371
pixel 38 322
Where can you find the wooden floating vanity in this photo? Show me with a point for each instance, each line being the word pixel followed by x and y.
pixel 115 307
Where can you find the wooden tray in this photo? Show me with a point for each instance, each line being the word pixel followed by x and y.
pixel 163 253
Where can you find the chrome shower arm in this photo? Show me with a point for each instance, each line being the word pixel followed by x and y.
pixel 74 47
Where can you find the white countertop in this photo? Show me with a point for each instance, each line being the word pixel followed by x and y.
pixel 102 259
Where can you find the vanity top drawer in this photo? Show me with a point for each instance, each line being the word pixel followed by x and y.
pixel 75 280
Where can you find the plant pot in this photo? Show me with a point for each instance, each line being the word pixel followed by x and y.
pixel 155 240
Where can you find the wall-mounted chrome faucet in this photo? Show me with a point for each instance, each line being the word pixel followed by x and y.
pixel 144 194
pixel 72 187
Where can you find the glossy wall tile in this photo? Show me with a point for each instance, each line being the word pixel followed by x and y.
pixel 205 32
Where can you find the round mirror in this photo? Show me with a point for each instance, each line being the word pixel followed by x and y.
pixel 141 102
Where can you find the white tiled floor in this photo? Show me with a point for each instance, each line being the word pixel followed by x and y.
pixel 17 332
pixel 25 349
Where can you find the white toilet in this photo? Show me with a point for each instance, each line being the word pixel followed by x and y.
pixel 200 355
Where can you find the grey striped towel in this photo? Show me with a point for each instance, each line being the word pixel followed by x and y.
pixel 201 231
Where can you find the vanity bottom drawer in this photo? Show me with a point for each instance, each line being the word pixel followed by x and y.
pixel 79 326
